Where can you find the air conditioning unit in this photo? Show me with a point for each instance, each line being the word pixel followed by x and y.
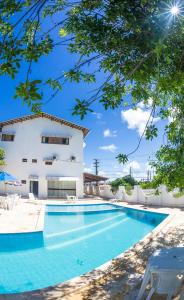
pixel 47 159
pixel 55 157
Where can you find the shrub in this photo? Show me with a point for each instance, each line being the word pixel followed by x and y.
pixel 2 157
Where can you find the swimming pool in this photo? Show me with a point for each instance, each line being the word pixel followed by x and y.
pixel 76 239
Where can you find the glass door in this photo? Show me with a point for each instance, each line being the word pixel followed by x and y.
pixel 34 187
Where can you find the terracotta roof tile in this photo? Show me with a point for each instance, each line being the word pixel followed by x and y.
pixel 47 116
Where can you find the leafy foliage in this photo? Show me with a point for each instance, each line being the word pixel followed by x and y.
pixel 149 185
pixel 127 180
pixel 136 44
pixel 151 132
pixel 2 157
pixel 169 161
pixel 122 158
pixel 179 194
pixel 130 180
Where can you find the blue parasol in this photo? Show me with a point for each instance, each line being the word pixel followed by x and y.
pixel 7 177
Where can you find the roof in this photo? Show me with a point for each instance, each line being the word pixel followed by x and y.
pixel 46 116
pixel 93 178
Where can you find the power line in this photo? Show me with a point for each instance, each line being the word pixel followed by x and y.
pixel 133 156
pixel 126 172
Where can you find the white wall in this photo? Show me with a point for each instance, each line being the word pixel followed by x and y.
pixel 27 144
pixel 160 197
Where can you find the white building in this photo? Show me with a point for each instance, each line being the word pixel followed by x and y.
pixel 45 153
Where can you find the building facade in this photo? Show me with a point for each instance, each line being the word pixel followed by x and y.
pixel 45 154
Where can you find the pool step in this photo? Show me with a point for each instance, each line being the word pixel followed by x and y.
pixel 61 233
pixel 85 236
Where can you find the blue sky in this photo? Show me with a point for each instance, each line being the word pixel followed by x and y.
pixel 111 132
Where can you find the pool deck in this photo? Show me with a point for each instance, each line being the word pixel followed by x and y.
pixel 24 217
pixel 116 280
pixel 28 216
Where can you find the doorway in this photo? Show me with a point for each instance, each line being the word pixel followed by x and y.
pixel 34 187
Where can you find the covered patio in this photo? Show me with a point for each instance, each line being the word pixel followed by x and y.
pixel 92 181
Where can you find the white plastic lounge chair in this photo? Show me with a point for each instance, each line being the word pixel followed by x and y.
pixel 16 199
pixel 71 198
pixel 10 202
pixel 7 203
pixel 165 270
pixel 32 197
pixel 114 200
pixel 3 202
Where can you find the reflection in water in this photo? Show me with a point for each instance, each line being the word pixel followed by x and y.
pixel 145 217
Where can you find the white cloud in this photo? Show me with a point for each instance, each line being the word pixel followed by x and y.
pixel 102 173
pixel 170 119
pixel 119 174
pixel 172 115
pixel 97 114
pixel 141 104
pixel 147 105
pixel 88 170
pixel 84 145
pixel 108 133
pixel 139 170
pixel 111 148
pixel 115 166
pixel 137 119
pixel 134 165
pixel 147 166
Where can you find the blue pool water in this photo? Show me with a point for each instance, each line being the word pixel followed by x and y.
pixel 76 239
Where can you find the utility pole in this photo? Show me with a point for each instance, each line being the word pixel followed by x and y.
pixel 130 173
pixel 96 165
pixel 149 175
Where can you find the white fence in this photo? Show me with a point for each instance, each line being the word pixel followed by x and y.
pixel 160 197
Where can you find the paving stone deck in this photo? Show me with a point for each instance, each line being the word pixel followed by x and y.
pixel 24 217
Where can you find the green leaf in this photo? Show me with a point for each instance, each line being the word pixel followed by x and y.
pixel 122 158
pixel 151 132
pixel 63 32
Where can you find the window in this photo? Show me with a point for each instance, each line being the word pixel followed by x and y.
pixel 23 181
pixel 34 161
pixel 24 160
pixel 55 140
pixel 48 163
pixel 60 189
pixel 7 137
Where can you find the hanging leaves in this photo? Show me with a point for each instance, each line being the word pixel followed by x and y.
pixel 137 49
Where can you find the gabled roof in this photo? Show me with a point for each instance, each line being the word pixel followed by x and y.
pixel 46 116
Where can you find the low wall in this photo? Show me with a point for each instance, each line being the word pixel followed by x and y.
pixel 160 197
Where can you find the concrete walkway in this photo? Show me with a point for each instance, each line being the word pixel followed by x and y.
pixel 24 217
